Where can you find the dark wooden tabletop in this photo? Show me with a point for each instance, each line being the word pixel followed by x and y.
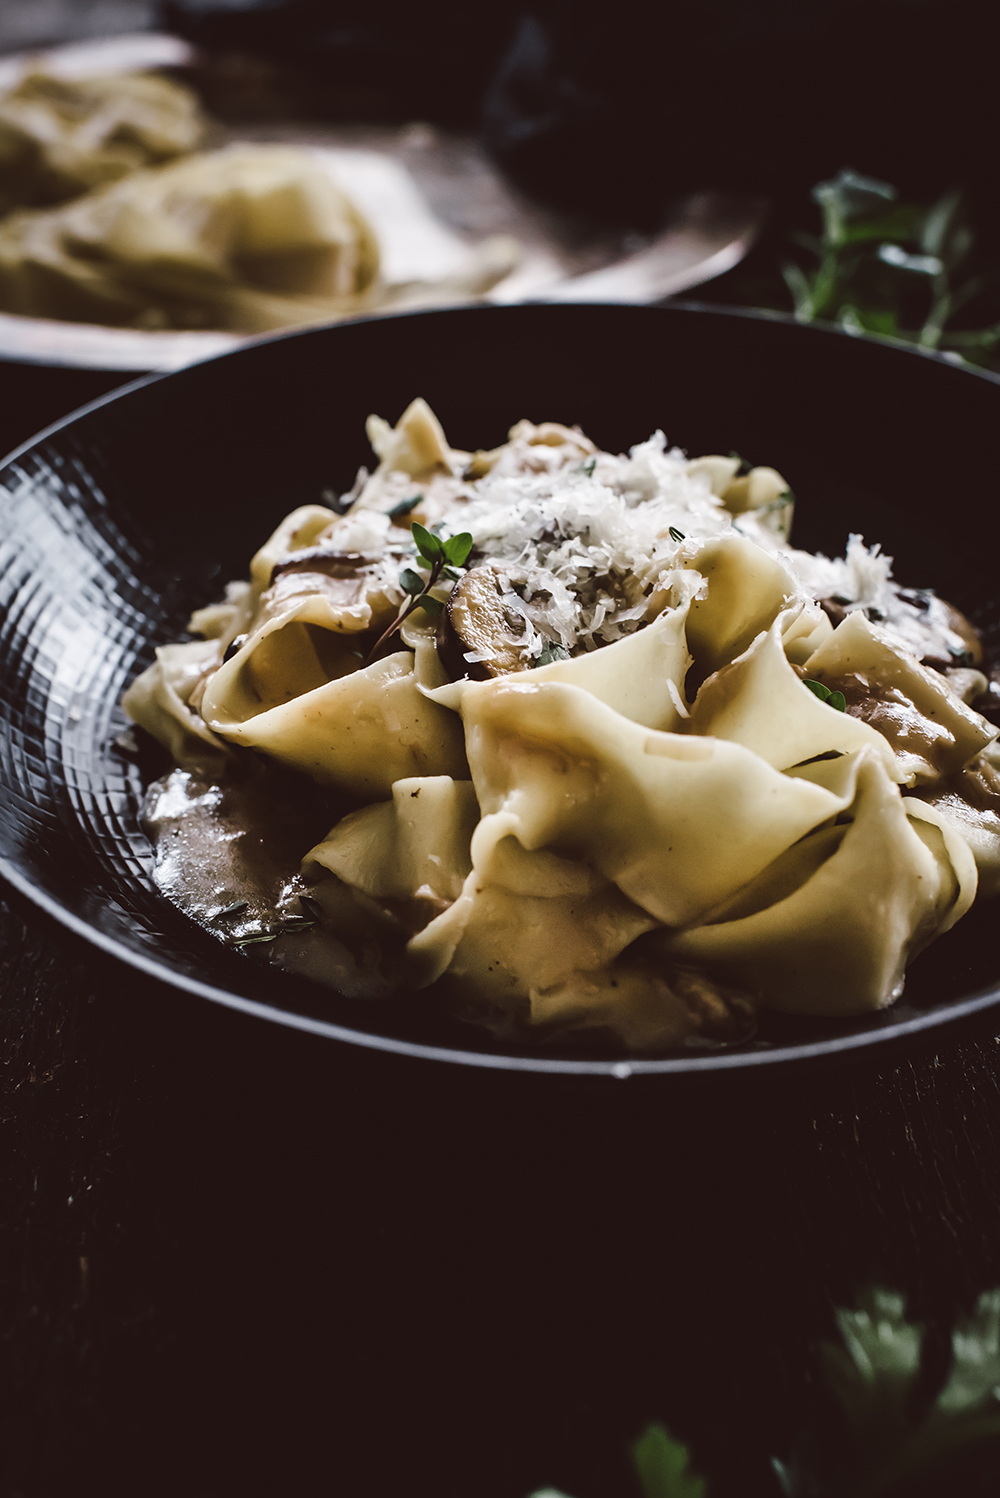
pixel 239 1259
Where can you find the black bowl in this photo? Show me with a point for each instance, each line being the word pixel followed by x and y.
pixel 126 515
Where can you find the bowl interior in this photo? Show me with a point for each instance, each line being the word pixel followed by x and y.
pixel 125 517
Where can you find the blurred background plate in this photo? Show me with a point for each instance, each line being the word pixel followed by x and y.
pixel 432 197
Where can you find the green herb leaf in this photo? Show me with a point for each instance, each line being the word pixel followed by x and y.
pixel 675 534
pixel 549 654
pixel 250 941
pixel 450 573
pixel 430 547
pixel 457 548
pixel 405 506
pixel 588 467
pixel 231 910
pixel 663 1466
pixel 432 606
pixel 838 701
pixel 823 693
pixel 411 582
pixel 975 1370
pixel 873 1370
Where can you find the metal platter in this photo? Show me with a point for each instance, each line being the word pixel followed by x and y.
pixel 433 198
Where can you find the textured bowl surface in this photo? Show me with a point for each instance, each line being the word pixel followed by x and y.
pixel 124 517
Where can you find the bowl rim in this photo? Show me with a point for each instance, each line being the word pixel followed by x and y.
pixel 826 1049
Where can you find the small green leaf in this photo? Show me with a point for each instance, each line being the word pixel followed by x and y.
pixel 549 654
pixel 430 547
pixel 662 1465
pixel 838 701
pixel 675 534
pixel 405 506
pixel 588 467
pixel 230 910
pixel 457 548
pixel 450 573
pixel 823 693
pixel 411 582
pixel 432 606
pixel 251 941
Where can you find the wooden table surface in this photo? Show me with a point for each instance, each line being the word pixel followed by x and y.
pixel 238 1259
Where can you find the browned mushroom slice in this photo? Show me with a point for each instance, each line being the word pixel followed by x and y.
pixel 322 560
pixel 947 637
pixel 355 583
pixel 476 621
pixel 933 630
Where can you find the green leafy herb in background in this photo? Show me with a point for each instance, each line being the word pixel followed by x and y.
pixel 873 1374
pixel 893 1428
pixel 880 266
pixel 662 1467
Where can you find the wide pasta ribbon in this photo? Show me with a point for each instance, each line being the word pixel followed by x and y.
pixel 678 823
pixel 830 927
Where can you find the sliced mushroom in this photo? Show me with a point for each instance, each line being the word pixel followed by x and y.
pixel 475 620
pixel 359 587
pixel 933 630
pixel 321 559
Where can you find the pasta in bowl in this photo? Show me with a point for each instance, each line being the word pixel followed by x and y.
pixel 600 749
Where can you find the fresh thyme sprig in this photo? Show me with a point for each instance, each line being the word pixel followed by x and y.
pixel 438 558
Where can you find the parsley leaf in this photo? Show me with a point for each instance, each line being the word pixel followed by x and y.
pixel 662 1465
pixel 676 535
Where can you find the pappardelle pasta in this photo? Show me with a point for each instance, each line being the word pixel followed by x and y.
pixel 596 747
